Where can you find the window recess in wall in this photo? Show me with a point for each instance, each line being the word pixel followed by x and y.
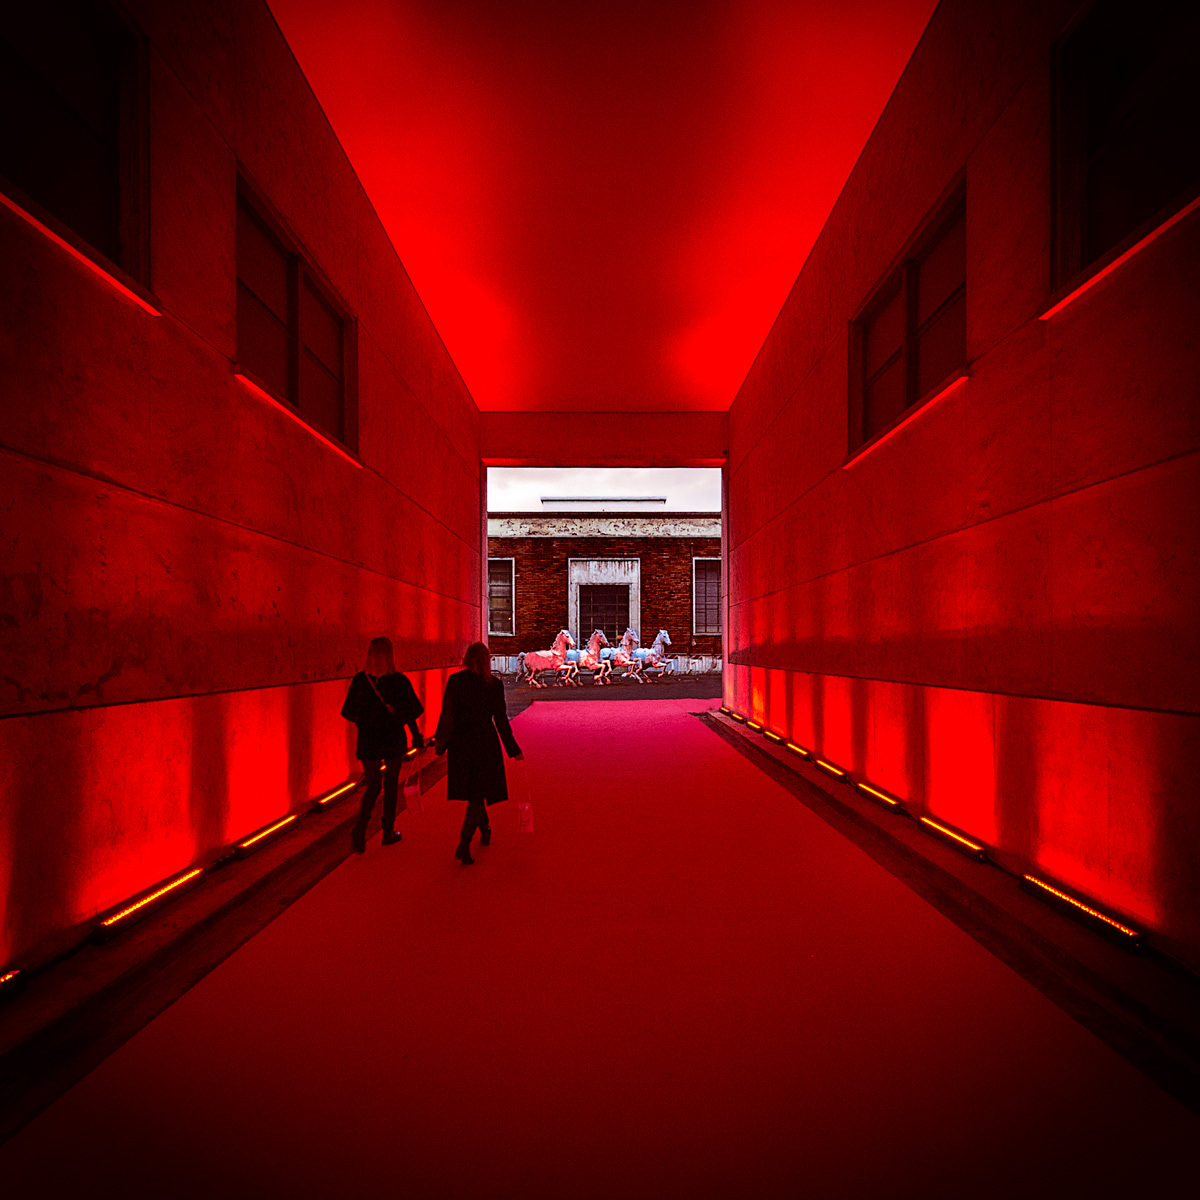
pixel 73 139
pixel 706 596
pixel 909 346
pixel 1126 152
pixel 501 596
pixel 292 338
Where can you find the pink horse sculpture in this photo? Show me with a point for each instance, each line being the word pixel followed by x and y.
pixel 590 660
pixel 535 661
pixel 623 656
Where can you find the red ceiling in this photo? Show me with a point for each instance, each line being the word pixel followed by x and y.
pixel 603 206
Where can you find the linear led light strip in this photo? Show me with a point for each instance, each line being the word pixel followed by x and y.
pixel 882 797
pixel 340 792
pixel 738 717
pixel 263 394
pixel 952 386
pixel 1086 908
pixel 945 831
pixel 772 736
pixel 828 766
pixel 800 750
pixel 270 829
pixel 9 976
pixel 1137 247
pixel 78 254
pixel 162 891
pixel 754 725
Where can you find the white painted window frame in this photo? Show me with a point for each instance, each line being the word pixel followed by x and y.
pixel 576 572
pixel 512 568
pixel 695 632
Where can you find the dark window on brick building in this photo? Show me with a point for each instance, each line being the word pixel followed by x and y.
pixel 500 595
pixel 706 596
pixel 1128 108
pixel 603 606
pixel 290 337
pixel 72 138
pixel 913 333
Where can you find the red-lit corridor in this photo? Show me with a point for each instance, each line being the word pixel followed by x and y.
pixel 682 984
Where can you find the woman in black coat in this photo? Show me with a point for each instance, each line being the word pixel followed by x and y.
pixel 381 702
pixel 471 727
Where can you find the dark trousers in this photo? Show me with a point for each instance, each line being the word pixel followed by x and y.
pixel 374 773
pixel 476 818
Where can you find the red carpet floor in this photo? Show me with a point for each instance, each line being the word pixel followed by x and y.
pixel 682 984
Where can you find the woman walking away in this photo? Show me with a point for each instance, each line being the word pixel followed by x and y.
pixel 472 716
pixel 381 702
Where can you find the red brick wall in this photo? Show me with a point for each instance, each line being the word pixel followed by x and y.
pixel 541 586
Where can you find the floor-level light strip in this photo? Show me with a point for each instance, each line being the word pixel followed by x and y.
pixel 828 766
pixel 1087 909
pixel 728 712
pixel 270 829
pixel 129 910
pixel 882 797
pixel 754 725
pixel 772 736
pixel 346 787
pixel 8 976
pixel 800 750
pixel 737 717
pixel 956 839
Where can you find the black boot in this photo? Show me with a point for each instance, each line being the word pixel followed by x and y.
pixel 463 853
pixel 390 837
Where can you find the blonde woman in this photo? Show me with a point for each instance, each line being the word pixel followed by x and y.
pixel 472 725
pixel 382 703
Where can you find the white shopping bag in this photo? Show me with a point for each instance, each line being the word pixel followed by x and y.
pixel 524 800
pixel 412 788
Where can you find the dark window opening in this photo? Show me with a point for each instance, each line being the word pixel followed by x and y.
pixel 70 140
pixel 1128 107
pixel 500 596
pixel 707 596
pixel 290 338
pixel 914 331
pixel 603 606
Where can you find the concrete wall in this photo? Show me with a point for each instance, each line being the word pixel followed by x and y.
pixel 190 576
pixel 994 614
pixel 604 439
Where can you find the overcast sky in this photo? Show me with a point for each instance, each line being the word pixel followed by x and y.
pixel 687 489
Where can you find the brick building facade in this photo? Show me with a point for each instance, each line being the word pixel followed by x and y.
pixel 652 571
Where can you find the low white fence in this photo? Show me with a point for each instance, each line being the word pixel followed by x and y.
pixel 699 664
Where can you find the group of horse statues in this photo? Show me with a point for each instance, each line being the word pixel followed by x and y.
pixel 600 657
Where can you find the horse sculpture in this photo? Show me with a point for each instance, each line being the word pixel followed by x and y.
pixel 534 662
pixel 590 658
pixel 655 659
pixel 622 656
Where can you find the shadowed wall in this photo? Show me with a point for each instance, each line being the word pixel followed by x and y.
pixel 992 614
pixel 190 575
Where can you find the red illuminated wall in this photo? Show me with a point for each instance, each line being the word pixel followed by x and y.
pixel 994 613
pixel 189 575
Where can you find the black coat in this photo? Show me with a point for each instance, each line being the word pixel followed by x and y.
pixel 380 727
pixel 472 715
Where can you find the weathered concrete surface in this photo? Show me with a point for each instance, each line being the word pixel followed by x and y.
pixel 994 612
pixel 190 576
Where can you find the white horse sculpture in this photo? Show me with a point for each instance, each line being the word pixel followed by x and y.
pixel 535 661
pixel 590 660
pixel 622 656
pixel 655 659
